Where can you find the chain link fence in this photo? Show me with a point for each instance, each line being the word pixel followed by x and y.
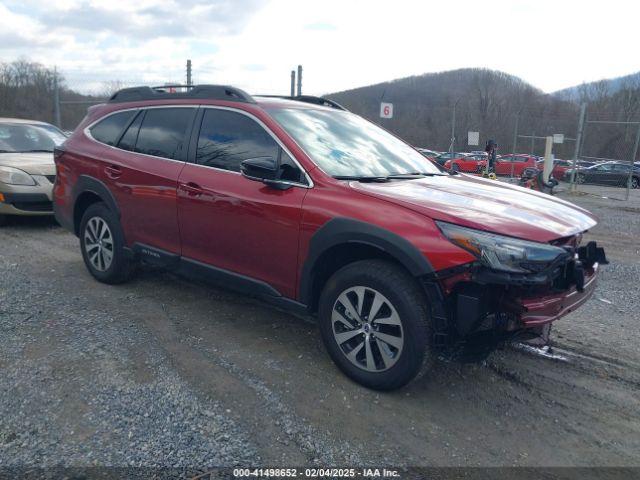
pixel 607 164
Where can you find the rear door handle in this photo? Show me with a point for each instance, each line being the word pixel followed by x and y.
pixel 192 189
pixel 113 171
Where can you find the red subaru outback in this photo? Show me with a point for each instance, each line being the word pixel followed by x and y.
pixel 306 205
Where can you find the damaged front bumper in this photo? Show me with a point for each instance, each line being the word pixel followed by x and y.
pixel 483 300
pixel 537 311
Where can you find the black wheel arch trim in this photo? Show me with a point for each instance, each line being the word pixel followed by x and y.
pixel 342 230
pixel 88 184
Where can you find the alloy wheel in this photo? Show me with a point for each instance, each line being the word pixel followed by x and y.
pixel 98 243
pixel 367 328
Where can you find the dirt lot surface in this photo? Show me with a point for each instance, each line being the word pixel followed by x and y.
pixel 164 371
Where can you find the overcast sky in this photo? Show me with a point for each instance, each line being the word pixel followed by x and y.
pixel 341 44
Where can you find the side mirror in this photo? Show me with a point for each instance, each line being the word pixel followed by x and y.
pixel 259 168
pixel 263 169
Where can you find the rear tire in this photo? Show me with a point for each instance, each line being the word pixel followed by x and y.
pixel 580 179
pixel 635 182
pixel 382 349
pixel 102 245
pixel 455 167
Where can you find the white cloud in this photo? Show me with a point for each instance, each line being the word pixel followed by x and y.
pixel 341 44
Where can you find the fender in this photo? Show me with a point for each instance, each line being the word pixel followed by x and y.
pixel 339 231
pixel 85 184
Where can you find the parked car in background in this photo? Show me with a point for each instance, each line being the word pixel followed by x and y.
pixel 316 209
pixel 430 154
pixel 468 163
pixel 27 169
pixel 559 167
pixel 444 157
pixel 511 164
pixel 480 153
pixel 611 173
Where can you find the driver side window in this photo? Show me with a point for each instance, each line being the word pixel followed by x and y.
pixel 228 138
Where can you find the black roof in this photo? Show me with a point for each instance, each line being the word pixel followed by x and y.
pixel 213 92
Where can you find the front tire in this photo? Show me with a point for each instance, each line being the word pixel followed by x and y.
pixel 375 324
pixel 635 182
pixel 102 245
pixel 580 179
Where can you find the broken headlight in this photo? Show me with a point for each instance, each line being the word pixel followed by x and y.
pixel 503 253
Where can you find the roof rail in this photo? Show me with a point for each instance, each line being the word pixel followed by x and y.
pixel 325 102
pixel 209 92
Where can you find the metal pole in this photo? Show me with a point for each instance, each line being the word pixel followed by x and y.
pixel 548 160
pixel 533 143
pixel 453 128
pixel 189 81
pixel 293 83
pixel 633 159
pixel 56 99
pixel 576 152
pixel 299 80
pixel 515 142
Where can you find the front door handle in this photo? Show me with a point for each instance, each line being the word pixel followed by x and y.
pixel 113 171
pixel 192 189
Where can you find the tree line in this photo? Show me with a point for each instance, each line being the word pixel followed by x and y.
pixel 500 106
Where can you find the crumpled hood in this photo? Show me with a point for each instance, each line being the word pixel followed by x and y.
pixel 486 205
pixel 36 163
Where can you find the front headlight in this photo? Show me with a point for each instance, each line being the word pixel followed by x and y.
pixel 14 176
pixel 503 253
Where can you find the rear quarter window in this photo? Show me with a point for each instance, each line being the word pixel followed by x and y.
pixel 110 128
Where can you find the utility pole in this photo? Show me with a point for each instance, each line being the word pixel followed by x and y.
pixel 189 81
pixel 453 128
pixel 56 99
pixel 293 83
pixel 515 141
pixel 299 80
pixel 576 152
pixel 633 159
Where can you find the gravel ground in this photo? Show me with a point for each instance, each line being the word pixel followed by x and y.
pixel 165 372
pixel 80 379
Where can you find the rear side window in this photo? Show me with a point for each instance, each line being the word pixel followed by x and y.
pixel 227 138
pixel 108 130
pixel 163 131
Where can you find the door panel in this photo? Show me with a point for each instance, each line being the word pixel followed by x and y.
pixel 233 223
pixel 240 225
pixel 143 174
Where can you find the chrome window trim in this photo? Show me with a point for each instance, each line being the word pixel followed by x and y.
pixel 87 133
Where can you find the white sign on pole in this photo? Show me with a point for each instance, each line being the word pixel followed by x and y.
pixel 474 138
pixel 558 138
pixel 386 110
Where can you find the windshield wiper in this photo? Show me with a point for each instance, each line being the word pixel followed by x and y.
pixel 361 178
pixel 410 175
pixel 393 176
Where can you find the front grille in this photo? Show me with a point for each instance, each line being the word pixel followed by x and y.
pixel 51 178
pixel 34 206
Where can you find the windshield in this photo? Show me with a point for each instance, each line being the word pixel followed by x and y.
pixel 22 137
pixel 345 145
